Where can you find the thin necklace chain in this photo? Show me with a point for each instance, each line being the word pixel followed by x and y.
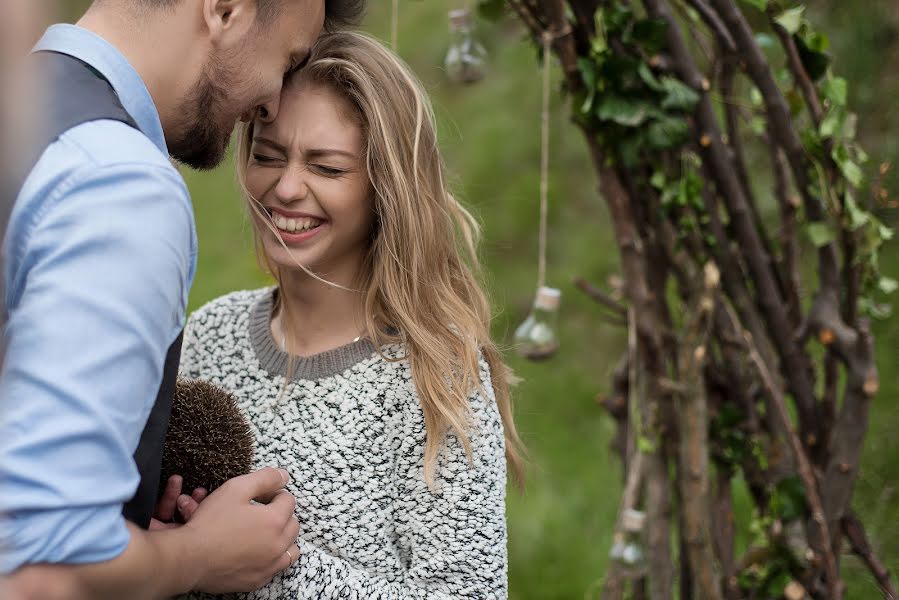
pixel 284 338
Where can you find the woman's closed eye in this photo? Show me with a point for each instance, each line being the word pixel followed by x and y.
pixel 262 159
pixel 328 171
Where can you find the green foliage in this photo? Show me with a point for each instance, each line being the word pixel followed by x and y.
pixel 632 110
pixel 787 501
pixel 791 19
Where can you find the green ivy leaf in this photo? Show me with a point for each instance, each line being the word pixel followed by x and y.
pixel 649 78
pixel 886 233
pixel 791 19
pixel 835 90
pixel 850 169
pixel 852 172
pixel 832 122
pixel 657 180
pixel 857 217
pixel 651 35
pixel 618 17
pixel 678 95
pixel 667 132
pixel 630 113
pixel 755 96
pixel 812 54
pixel 587 70
pixel 876 310
pixel 887 285
pixel 819 234
pixel 815 41
pixel 788 499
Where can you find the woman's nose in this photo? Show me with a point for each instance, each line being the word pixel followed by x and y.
pixel 292 186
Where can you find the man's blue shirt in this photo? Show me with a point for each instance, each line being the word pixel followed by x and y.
pixel 99 257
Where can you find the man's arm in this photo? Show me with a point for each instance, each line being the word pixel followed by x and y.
pixel 98 294
pixel 230 544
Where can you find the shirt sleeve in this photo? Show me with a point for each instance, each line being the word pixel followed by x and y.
pixel 106 267
pixel 454 536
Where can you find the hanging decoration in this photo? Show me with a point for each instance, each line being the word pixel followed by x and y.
pixel 394 25
pixel 629 545
pixel 536 338
pixel 466 58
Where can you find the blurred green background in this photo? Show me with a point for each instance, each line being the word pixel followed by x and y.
pixel 560 527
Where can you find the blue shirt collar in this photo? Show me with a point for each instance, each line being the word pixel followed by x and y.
pixel 90 48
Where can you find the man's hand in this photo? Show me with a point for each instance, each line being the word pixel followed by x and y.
pixel 164 515
pixel 245 543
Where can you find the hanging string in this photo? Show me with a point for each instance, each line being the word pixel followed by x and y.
pixel 394 24
pixel 544 161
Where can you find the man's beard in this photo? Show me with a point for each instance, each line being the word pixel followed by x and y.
pixel 202 135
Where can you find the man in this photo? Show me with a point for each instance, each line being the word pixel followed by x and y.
pixel 99 257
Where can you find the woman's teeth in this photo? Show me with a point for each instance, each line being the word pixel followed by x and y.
pixel 295 225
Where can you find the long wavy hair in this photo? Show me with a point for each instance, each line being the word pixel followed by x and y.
pixel 421 279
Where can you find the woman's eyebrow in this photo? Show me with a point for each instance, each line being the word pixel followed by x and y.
pixel 316 152
pixel 271 144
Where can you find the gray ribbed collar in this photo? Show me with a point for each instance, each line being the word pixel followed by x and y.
pixel 274 360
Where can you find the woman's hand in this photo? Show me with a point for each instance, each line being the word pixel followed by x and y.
pixel 172 498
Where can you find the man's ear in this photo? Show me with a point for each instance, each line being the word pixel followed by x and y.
pixel 228 21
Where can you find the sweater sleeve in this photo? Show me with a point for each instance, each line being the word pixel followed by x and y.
pixel 453 538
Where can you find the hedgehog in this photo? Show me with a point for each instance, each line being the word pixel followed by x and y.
pixel 209 439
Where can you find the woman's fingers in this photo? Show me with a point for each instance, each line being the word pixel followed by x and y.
pixel 165 508
pixel 199 494
pixel 187 506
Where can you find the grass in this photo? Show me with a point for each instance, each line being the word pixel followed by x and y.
pixel 560 527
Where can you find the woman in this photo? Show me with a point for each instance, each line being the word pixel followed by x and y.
pixel 368 372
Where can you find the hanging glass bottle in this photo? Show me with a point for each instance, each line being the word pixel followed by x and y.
pixel 629 547
pixel 537 338
pixel 466 59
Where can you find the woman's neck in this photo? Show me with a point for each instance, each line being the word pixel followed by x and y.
pixel 314 317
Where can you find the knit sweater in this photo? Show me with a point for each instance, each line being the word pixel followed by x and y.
pixel 351 433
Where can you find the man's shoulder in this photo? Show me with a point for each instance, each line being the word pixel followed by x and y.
pixel 107 153
pixel 108 143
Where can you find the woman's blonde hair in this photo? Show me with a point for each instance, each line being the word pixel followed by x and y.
pixel 421 277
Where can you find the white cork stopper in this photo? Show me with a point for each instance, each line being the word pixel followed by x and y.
pixel 548 298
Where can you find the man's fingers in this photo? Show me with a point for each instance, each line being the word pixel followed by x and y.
pixel 293 530
pixel 165 508
pixel 187 506
pixel 282 502
pixel 262 484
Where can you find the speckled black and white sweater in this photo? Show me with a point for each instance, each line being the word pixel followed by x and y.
pixel 351 433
